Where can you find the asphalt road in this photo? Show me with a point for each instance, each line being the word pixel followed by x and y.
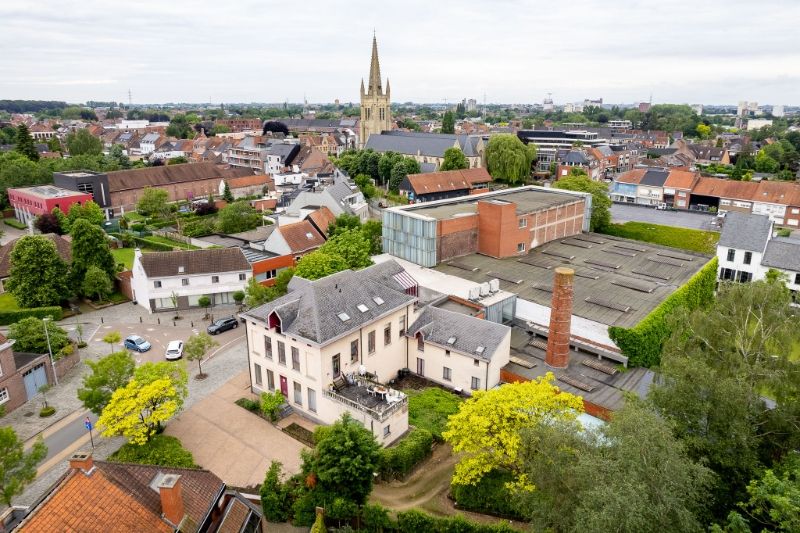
pixel 682 219
pixel 64 437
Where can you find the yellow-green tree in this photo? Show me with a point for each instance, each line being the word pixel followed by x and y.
pixel 486 428
pixel 703 131
pixel 152 397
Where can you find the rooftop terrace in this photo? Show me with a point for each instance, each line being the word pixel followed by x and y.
pixel 617 281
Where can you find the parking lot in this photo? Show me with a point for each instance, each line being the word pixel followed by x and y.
pixel 683 219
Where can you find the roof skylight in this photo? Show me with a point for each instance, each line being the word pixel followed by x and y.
pixel 451 341
pixel 378 300
pixel 363 308
pixel 344 317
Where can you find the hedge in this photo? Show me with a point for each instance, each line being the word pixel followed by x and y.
pixel 488 496
pixel 14 223
pixel 153 245
pixel 414 521
pixel 161 450
pixel 642 343
pixel 400 459
pixel 10 317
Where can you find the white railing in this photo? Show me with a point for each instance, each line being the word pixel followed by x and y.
pixel 379 415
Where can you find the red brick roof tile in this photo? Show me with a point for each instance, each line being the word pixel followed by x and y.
pixel 301 236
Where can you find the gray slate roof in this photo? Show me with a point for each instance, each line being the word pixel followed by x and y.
pixel 782 253
pixel 745 232
pixel 426 144
pixel 654 178
pixel 188 262
pixel 311 309
pixel 438 326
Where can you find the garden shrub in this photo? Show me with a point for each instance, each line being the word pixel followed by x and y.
pixel 66 351
pixel 413 521
pixel 430 408
pixel 47 411
pixel 153 245
pixel 161 450
pixel 375 518
pixel 10 317
pixel 398 460
pixel 274 495
pixel 341 510
pixel 271 404
pixel 642 343
pixel 247 403
pixel 490 495
pixel 198 228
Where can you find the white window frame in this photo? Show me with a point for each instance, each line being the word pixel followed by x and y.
pixel 4 397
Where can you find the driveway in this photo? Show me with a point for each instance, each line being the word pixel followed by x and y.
pixel 232 442
pixel 682 219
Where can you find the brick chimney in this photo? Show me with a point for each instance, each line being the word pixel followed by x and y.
pixel 560 316
pixel 82 461
pixel 171 498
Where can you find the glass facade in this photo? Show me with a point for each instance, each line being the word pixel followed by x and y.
pixel 409 237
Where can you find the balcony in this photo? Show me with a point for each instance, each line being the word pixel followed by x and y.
pixel 361 396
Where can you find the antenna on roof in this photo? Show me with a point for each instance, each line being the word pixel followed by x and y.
pixel 130 98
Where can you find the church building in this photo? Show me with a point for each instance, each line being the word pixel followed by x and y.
pixel 376 110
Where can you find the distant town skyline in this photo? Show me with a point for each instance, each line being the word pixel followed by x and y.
pixel 713 52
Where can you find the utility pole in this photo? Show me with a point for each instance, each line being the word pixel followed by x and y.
pixel 130 98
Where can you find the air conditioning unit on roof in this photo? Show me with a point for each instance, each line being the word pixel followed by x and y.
pixel 474 293
pixel 485 289
pixel 494 285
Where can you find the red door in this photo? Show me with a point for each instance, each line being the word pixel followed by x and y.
pixel 284 387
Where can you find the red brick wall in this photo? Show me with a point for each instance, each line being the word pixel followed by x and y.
pixel 179 191
pixel 456 236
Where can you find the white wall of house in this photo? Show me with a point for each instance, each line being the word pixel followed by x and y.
pixel 742 261
pixel 776 212
pixel 276 244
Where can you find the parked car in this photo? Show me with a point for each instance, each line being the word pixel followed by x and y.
pixel 137 343
pixel 174 350
pixel 223 324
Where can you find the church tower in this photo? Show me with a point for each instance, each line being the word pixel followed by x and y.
pixel 376 111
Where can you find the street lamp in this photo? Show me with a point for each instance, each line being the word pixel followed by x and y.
pixel 45 320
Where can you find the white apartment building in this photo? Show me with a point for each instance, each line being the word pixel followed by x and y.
pixel 163 281
pixel 336 344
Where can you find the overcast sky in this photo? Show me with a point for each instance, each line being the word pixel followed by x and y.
pixel 698 51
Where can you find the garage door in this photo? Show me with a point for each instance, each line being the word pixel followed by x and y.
pixel 34 378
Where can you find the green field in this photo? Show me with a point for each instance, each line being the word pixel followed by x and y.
pixel 687 239
pixel 8 302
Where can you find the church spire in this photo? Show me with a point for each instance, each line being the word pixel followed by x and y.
pixel 374 69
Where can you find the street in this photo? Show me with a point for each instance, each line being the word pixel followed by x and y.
pixel 683 219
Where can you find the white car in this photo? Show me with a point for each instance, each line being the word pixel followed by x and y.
pixel 174 350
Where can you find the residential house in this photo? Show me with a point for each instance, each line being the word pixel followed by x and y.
pixel 100 496
pixel 447 184
pixel 165 281
pixel 321 219
pixel 41 132
pixel 649 186
pixel 724 195
pixel 260 184
pixel 428 147
pixel 341 197
pixel 173 149
pixel 702 153
pixel 63 247
pixel 279 157
pixel 21 375
pixel 678 188
pixel 585 160
pixel 295 239
pixel 150 142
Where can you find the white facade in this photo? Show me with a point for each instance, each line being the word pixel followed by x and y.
pixel 156 294
pixel 132 124
pixel 758 123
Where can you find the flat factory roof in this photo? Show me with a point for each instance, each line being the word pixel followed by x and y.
pixel 617 281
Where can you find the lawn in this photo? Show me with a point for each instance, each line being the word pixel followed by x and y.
pixel 430 408
pixel 133 216
pixel 170 242
pixel 124 256
pixel 686 239
pixel 8 302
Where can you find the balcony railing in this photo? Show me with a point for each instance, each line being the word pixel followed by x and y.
pixel 381 411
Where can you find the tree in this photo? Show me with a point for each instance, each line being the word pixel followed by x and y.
pixel 89 248
pixel 108 374
pixel 508 159
pixel 24 143
pixel 82 142
pixel 116 157
pixel 274 495
pixel 373 232
pixel 386 162
pixel 237 217
pixel 318 264
pixel 89 211
pixel 227 195
pixel 220 128
pixel 138 410
pixel 96 282
pixel 365 185
pixel 486 428
pixel 63 221
pixel 177 160
pixel 112 338
pixel 48 223
pixel 196 348
pixel 703 131
pixel 154 202
pixel 344 459
pixel 30 336
pixel 454 159
pixel 38 275
pixel 205 302
pixel 448 122
pixel 400 170
pixel 238 297
pixel 342 224
pixel 17 467
pixel 601 203
pixel 275 127
pixel 180 127
pixel 351 246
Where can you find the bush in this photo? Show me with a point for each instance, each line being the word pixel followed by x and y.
pixel 271 403
pixel 274 495
pixel 430 408
pixel 342 510
pixel 413 521
pixel 198 228
pixel 375 518
pixel 14 223
pixel 400 459
pixel 247 403
pixel 489 495
pixel 205 209
pixel 153 245
pixel 138 226
pixel 10 317
pixel 642 343
pixel 66 351
pixel 784 232
pixel 161 450
pixel 47 411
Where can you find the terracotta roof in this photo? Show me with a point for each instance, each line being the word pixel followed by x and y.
pixel 681 179
pixel 724 188
pixel 123 180
pixel 778 192
pixel 301 236
pixel 63 247
pixel 249 181
pixel 632 176
pixel 3 338
pixel 322 218
pixel 236 516
pixel 448 180
pixel 210 261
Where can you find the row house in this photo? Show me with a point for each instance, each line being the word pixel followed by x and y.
pixel 642 186
pixel 336 345
pixel 702 153
pixel 173 149
pixel 566 160
pixel 326 143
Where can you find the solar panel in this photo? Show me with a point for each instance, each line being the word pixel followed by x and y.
pixel 521 362
pixel 587 275
pixel 619 252
pixel 602 302
pixel 666 261
pixel 556 253
pixel 535 262
pixel 650 274
pixel 676 255
pixel 602 367
pixel 637 285
pixel 578 384
pixel 601 263
pixel 589 238
pixel 578 244
pixel 538 343
pixel 627 246
pixel 504 277
pixel 462 266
